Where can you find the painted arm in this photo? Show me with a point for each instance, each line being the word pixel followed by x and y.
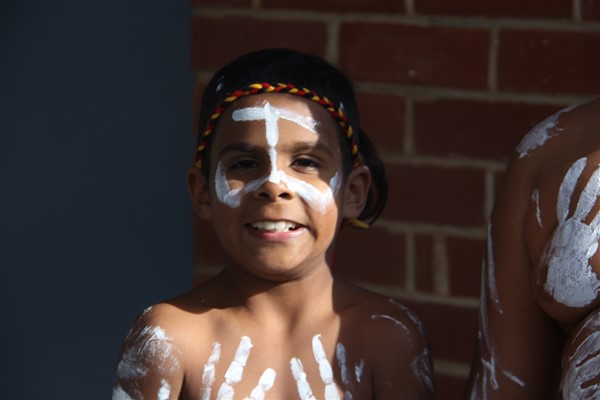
pixel 518 349
pixel 150 365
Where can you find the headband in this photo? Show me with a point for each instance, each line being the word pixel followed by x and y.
pixel 259 88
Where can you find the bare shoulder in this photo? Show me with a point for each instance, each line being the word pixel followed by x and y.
pixel 396 342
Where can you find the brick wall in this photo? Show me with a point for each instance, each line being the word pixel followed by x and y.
pixel 446 90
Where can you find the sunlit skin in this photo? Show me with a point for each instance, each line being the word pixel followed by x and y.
pixel 540 306
pixel 277 305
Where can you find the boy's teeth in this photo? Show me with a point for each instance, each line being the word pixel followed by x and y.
pixel 279 226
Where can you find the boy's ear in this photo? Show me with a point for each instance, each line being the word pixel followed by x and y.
pixel 199 192
pixel 357 189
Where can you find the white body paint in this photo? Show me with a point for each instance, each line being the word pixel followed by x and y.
pixel 571 280
pixel 420 365
pixel 540 134
pixel 331 392
pixel 119 394
pixel 309 193
pixel 266 381
pixel 208 375
pixel 489 295
pixel 583 366
pixel 236 369
pixel 358 370
pixel 535 197
pixel 165 390
pixel 340 355
pixel 151 348
pixel 304 390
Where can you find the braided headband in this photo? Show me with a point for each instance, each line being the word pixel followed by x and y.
pixel 259 88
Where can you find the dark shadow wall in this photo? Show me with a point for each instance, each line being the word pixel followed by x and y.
pixel 95 141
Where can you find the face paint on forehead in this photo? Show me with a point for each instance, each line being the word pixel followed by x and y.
pixel 271 115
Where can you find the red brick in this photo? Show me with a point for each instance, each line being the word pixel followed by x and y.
pixel 464 265
pixel 495 8
pixel 549 61
pixel 474 128
pixel 382 118
pixel 415 55
pixel 452 330
pixel 449 387
pixel 435 195
pixel 380 6
pixel 221 3
pixel 216 41
pixel 465 257
pixel 590 9
pixel 371 256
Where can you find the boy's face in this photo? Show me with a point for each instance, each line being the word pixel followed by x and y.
pixel 276 184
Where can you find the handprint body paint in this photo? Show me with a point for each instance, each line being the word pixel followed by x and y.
pixel 319 200
pixel 570 279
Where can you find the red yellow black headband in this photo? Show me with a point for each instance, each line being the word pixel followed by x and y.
pixel 259 88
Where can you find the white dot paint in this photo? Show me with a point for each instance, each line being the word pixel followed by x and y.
pixel 583 366
pixel 571 280
pixel 309 193
pixel 540 134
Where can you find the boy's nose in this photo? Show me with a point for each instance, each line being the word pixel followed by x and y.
pixel 274 191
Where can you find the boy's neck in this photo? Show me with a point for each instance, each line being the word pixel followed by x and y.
pixel 293 299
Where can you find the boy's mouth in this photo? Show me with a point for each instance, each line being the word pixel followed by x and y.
pixel 274 226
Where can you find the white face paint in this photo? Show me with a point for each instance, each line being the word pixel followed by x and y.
pixel 571 280
pixel 540 134
pixel 309 193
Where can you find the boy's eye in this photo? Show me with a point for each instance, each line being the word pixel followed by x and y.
pixel 243 164
pixel 306 163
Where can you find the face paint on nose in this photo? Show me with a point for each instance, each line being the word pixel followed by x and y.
pixel 318 200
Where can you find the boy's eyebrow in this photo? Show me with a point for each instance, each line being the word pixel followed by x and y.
pixel 242 147
pixel 309 146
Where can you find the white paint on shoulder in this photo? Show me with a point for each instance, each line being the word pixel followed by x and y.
pixel 120 394
pixel 358 370
pixel 390 318
pixel 540 133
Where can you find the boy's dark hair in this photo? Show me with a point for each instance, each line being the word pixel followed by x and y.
pixel 304 71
